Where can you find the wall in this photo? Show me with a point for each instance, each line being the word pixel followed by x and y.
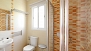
pixel 5 4
pixel 79 25
pixel 56 4
pixel 20 24
pixel 73 10
pixel 4 9
pixel 41 34
pixel 3 19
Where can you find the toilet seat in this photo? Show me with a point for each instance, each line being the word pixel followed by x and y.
pixel 28 48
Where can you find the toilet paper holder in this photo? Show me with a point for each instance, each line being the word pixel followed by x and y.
pixel 17 33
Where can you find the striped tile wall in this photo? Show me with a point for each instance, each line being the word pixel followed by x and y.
pixel 79 25
pixel 12 23
pixel 3 19
pixel 56 4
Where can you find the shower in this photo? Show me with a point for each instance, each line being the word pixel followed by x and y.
pixel 75 25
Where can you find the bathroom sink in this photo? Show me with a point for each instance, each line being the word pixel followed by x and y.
pixel 5 42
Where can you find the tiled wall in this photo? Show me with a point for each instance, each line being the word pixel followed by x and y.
pixel 56 4
pixel 79 25
pixel 3 19
pixel 73 17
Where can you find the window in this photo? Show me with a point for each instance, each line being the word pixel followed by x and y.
pixel 38 15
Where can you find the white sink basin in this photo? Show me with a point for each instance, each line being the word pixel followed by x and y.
pixel 5 42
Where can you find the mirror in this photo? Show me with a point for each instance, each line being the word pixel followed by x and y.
pixel 5 7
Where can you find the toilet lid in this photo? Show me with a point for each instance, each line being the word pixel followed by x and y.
pixel 29 47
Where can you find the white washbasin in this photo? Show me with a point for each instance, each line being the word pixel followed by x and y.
pixel 5 42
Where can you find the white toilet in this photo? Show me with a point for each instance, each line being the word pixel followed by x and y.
pixel 33 44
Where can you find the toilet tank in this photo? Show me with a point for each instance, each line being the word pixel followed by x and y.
pixel 33 40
